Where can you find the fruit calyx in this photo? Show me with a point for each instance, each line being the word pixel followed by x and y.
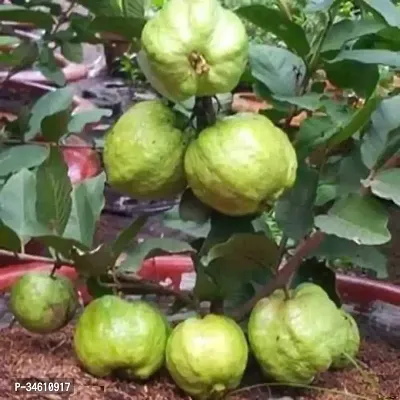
pixel 198 63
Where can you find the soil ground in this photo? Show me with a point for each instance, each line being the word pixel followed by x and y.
pixel 26 355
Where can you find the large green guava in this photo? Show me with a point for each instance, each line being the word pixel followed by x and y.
pixel 240 164
pixel 195 48
pixel 352 343
pixel 42 303
pixel 207 356
pixel 144 152
pixel 294 339
pixel 114 335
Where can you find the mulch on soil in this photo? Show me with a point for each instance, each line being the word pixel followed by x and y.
pixel 25 355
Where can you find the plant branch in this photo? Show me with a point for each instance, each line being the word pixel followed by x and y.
pixel 134 281
pixel 123 280
pixel 33 258
pixel 284 274
pixel 64 16
pixel 314 59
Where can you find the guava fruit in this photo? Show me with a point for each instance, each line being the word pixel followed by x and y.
pixel 240 164
pixel 195 48
pixel 144 151
pixel 42 303
pixel 294 339
pixel 352 342
pixel 114 335
pixel 207 356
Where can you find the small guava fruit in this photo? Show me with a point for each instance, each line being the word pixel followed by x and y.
pixel 207 356
pixel 350 349
pixel 240 164
pixel 195 48
pixel 42 303
pixel 128 338
pixel 294 339
pixel 144 152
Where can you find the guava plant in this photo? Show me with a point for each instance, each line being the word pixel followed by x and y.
pixel 321 160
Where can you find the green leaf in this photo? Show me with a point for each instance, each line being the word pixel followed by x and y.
pixel 381 139
pixel 346 30
pixel 309 101
pixel 128 27
pixel 150 248
pixel 354 217
pixel 14 13
pixel 367 56
pixel 369 257
pixel 230 278
pixel 223 227
pixel 357 122
pixel 392 148
pixel 61 245
pixel 24 55
pixel 351 172
pixel 49 104
pixel 386 185
pixel 9 240
pixel 103 7
pixel 192 209
pixel 93 263
pixel 127 235
pixel 172 220
pixel 72 51
pixel 133 8
pixel 79 120
pixel 49 67
pixel 54 126
pixel 245 251
pixel 312 270
pixel 13 159
pixel 326 193
pixel 294 210
pixel 313 132
pixel 346 75
pixel 387 9
pixel 17 205
pixel 53 188
pixel 87 204
pixel 278 69
pixel 205 289
pixel 275 22
pixel 318 5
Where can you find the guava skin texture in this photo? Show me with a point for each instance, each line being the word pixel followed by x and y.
pixel 295 339
pixel 144 152
pixel 195 48
pixel 43 304
pixel 240 164
pixel 116 336
pixel 352 343
pixel 207 356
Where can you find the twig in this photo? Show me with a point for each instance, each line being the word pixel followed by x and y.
pixel 30 257
pixel 284 274
pixel 64 16
pixel 154 287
